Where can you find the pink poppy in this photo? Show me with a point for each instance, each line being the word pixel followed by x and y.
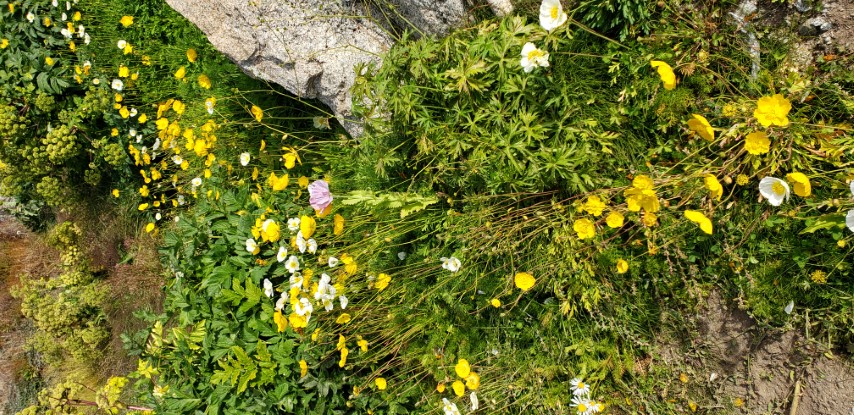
pixel 319 194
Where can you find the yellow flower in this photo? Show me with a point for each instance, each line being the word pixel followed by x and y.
pixel 459 388
pixel 818 276
pixel 473 381
pixel 280 320
pixel 440 387
pixel 701 126
pixel 641 195
pixel 714 186
pixel 700 219
pixel 4 43
pixel 144 191
pixel 72 46
pixel 337 225
pixel 204 81
pixel 142 118
pixel 343 319
pixel 584 228
pixel 290 160
pixel 495 302
pixel 614 220
pixel 143 206
pixel 149 227
pixel 278 184
pixel 622 266
pixel 593 206
pixel 344 352
pixel 115 193
pixel 146 60
pixel 462 368
pixel 192 55
pixel 145 369
pixel 757 143
pixel 77 16
pixel 773 110
pixel 666 73
pixel 124 112
pixel 297 321
pixel 303 368
pixel 649 219
pixel 179 107
pixel 642 182
pixel 49 61
pixel 524 281
pixel 363 344
pixel 11 7
pixel 257 112
pixel 126 21
pixel 162 123
pixel 802 185
pixel 47 22
pixel 124 72
pixel 114 132
pixel 181 73
pixel 307 226
pixel 381 383
pixel 303 182
pixel 382 281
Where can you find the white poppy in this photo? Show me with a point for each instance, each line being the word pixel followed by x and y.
pixel 301 245
pixel 132 132
pixel 86 39
pixel 67 5
pixel 475 403
pixel 158 216
pixel 244 159
pixel 31 17
pixel 292 264
pixel 196 182
pixel 54 3
pixel 156 144
pixel 451 264
pixel 303 307
pixel 552 15
pixel 293 224
pixel 64 18
pixel 533 57
pixel 282 254
pixel 96 81
pixel 81 31
pixel 849 220
pixel 268 288
pixel 449 407
pixel 296 280
pixel 251 245
pixel 344 301
pixel 774 189
pixel 133 112
pixel 177 159
pixel 851 185
pixel 333 262
pixel 65 33
pixel 311 245
pixel 282 301
pixel 121 44
pixel 181 200
pixel 117 84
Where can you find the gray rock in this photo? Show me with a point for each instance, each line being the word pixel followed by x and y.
pixel 310 47
pixel 801 6
pixel 814 26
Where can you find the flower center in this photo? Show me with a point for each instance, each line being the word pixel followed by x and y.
pixel 535 54
pixel 554 12
pixel 778 188
pixel 581 385
pixel 582 407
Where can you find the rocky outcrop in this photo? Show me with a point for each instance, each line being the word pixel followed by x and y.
pixel 311 47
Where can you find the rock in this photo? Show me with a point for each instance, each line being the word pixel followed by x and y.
pixel 814 26
pixel 310 47
pixel 801 6
pixel 501 7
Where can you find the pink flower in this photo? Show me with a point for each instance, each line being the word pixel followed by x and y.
pixel 320 198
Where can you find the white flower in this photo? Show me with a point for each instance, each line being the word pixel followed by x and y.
pixel 303 307
pixel 451 264
pixel 177 159
pixel 117 84
pixel 774 189
pixel 156 144
pixel 282 254
pixel 268 288
pixel 181 200
pixel 132 132
pixel 251 245
pixel 851 185
pixel 121 44
pixel 333 262
pixel 311 245
pixel 598 407
pixel 401 255
pixel 449 407
pixel 280 303
pixel 54 3
pixel 65 33
pixel 31 17
pixel 552 15
pixel 292 264
pixel 133 112
pixel 296 280
pixel 96 81
pixel 244 159
pixel 475 404
pixel 86 38
pixel 196 182
pixel 583 405
pixel 158 216
pixel 849 220
pixel 209 105
pixel 789 307
pixel 67 5
pixel 301 245
pixel 579 388
pixel 293 224
pixel 64 18
pixel 533 57
pixel 81 31
pixel 344 301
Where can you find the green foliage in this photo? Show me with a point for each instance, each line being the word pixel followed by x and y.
pixel 622 18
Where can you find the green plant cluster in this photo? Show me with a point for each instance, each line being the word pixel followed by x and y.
pixel 67 309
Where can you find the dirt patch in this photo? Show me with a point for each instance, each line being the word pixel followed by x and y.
pixel 755 370
pixel 840 14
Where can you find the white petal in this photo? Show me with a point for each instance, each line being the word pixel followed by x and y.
pixel 849 220
pixel 851 185
pixel 789 307
pixel 528 48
